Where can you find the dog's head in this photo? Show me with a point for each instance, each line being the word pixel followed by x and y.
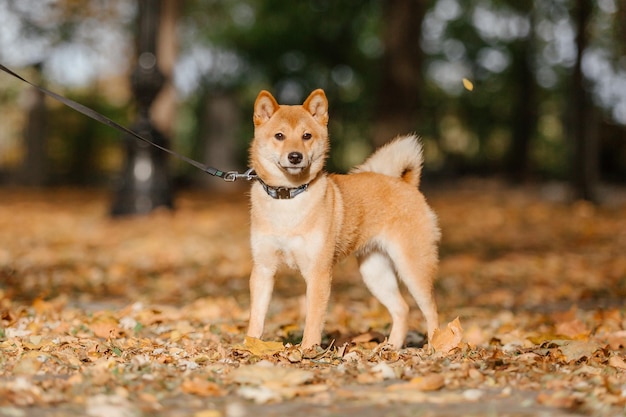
pixel 290 142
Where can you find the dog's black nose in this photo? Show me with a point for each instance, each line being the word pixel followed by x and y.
pixel 295 157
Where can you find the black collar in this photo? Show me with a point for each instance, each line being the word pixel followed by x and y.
pixel 283 193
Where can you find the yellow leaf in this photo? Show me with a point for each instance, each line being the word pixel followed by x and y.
pixel 208 413
pixel 431 382
pixel 449 338
pixel 469 86
pixel 260 348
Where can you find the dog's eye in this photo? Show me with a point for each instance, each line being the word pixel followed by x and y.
pixel 279 136
pixel 307 136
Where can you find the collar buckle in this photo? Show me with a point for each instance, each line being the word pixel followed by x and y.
pixel 283 193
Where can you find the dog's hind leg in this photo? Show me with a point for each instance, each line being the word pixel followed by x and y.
pixel 416 267
pixel 380 278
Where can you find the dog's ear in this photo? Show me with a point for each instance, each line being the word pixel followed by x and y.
pixel 317 105
pixel 264 107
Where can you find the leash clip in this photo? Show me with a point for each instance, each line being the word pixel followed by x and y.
pixel 232 176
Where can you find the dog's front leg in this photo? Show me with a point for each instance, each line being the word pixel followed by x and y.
pixel 317 294
pixel 261 287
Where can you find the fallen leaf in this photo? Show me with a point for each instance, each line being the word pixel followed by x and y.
pixel 384 370
pixel 260 348
pixel 430 382
pixel 617 362
pixel 559 399
pixel 265 373
pixel 575 350
pixel 111 405
pixel 201 387
pixel 368 337
pixel 573 329
pixel 208 413
pixel 29 363
pixel 617 340
pixel 473 394
pixel 260 395
pixel 293 354
pixel 469 86
pixel 449 338
pixel 104 329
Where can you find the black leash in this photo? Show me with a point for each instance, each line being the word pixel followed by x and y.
pixel 226 176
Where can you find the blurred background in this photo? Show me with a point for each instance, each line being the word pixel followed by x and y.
pixel 523 90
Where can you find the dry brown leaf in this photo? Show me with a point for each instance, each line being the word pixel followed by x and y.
pixel 573 329
pixel 617 362
pixel 104 329
pixel 575 350
pixel 293 354
pixel 559 399
pixel 265 373
pixel 449 338
pixel 368 337
pixel 111 405
pixel 201 387
pixel 617 340
pixel 29 363
pixel 208 413
pixel 430 382
pixel 260 394
pixel 260 348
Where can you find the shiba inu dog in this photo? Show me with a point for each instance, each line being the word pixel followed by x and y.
pixel 308 219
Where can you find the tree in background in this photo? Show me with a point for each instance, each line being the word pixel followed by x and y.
pixel 71 43
pixel 517 161
pixel 291 50
pixel 34 168
pixel 393 66
pixel 398 98
pixel 582 123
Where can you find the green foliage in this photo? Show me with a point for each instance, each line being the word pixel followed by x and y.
pixel 519 55
pixel 293 50
pixel 82 151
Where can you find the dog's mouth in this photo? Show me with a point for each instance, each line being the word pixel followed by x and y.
pixel 293 170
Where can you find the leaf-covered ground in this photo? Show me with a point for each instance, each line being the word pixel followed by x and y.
pixel 146 316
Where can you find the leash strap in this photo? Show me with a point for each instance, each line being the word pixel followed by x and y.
pixel 226 176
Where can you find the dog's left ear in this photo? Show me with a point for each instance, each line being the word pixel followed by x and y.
pixel 317 105
pixel 264 107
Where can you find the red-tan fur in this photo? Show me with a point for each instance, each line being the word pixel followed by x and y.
pixel 376 212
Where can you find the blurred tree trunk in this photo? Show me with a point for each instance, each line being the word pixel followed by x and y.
pixel 582 124
pixel 525 106
pixel 145 182
pixel 621 27
pixel 398 98
pixel 164 107
pixel 34 169
pixel 220 118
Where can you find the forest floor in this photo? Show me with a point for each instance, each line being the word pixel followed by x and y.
pixel 146 315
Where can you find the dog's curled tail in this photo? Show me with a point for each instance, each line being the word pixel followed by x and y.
pixel 400 158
